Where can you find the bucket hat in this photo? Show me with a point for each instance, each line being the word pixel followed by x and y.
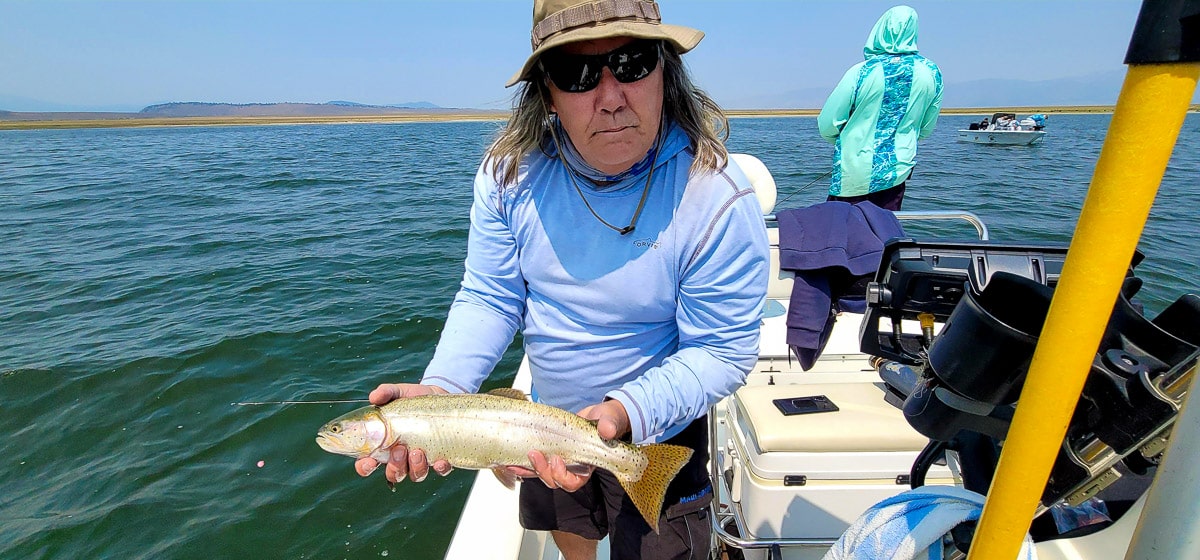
pixel 558 22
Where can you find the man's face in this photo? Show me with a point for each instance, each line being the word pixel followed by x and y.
pixel 615 124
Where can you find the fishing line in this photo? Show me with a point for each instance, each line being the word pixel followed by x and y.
pixel 256 403
pixel 801 189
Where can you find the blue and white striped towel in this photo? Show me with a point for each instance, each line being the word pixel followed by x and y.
pixel 911 525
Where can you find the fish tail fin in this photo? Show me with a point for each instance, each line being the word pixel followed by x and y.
pixel 649 491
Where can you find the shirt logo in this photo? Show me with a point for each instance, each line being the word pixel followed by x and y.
pixel 640 243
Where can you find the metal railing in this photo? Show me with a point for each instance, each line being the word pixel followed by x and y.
pixel 927 215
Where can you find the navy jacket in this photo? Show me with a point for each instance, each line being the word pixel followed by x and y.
pixel 832 247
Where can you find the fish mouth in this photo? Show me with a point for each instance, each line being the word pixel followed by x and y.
pixel 329 444
pixel 339 447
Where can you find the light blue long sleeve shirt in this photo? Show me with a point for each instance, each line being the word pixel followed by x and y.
pixel 880 108
pixel 664 319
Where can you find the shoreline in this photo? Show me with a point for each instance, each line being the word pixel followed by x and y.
pixel 140 122
pixel 83 121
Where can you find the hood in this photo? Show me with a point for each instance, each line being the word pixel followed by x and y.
pixel 894 33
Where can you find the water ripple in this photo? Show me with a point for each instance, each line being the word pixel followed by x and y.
pixel 152 277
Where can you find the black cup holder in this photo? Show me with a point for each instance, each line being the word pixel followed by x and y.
pixel 984 349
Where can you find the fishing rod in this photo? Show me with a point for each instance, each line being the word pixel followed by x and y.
pixel 259 403
pixel 801 189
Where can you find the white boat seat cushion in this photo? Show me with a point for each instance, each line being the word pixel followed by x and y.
pixel 760 179
pixel 864 422
pixel 779 283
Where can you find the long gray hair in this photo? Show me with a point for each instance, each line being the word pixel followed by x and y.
pixel 699 116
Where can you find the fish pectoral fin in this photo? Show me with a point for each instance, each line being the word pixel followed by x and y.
pixel 580 469
pixel 509 393
pixel 508 479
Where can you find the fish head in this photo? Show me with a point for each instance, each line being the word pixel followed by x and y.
pixel 357 434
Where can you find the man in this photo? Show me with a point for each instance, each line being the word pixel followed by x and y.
pixel 878 111
pixel 609 228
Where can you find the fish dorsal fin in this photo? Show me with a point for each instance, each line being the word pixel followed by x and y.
pixel 509 393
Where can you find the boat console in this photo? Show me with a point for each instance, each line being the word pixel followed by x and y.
pixel 960 386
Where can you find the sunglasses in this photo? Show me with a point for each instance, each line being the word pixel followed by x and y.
pixel 577 73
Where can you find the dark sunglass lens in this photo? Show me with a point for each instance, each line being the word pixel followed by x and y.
pixel 586 76
pixel 634 62
pixel 572 73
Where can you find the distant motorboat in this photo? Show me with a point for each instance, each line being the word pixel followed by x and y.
pixel 1002 137
pixel 1005 130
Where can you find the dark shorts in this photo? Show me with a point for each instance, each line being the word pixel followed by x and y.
pixel 602 508
pixel 888 199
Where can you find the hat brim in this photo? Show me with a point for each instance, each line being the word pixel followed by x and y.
pixel 682 38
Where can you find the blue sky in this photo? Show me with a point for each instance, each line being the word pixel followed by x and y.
pixel 124 55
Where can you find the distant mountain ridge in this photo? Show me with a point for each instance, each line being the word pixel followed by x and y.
pixel 329 109
pixel 408 105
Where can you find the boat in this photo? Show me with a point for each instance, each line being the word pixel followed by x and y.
pixel 865 452
pixel 1005 130
pixel 964 370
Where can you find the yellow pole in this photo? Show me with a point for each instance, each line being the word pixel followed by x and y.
pixel 1150 110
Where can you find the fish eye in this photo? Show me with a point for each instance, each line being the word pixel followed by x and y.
pixel 335 428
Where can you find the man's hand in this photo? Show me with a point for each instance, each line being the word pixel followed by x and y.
pixel 403 462
pixel 611 418
pixel 612 422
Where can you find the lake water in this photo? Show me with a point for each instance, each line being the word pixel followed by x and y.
pixel 151 277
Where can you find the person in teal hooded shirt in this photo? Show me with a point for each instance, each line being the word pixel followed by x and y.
pixel 878 111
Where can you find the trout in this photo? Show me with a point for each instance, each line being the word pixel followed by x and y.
pixel 498 429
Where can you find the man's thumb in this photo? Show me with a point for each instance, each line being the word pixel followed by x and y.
pixel 607 426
